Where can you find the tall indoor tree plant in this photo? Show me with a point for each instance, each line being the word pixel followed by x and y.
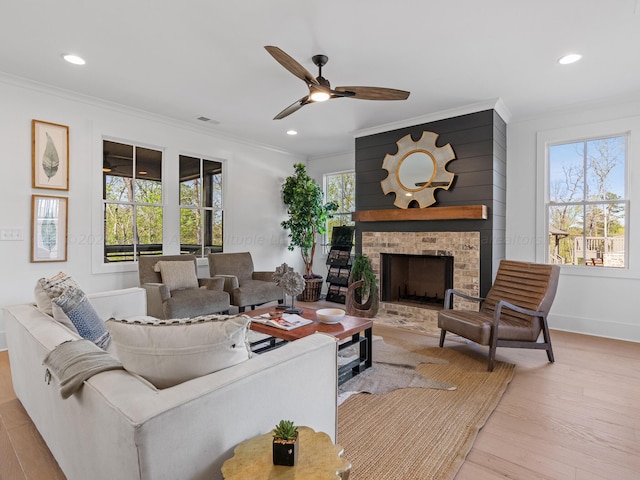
pixel 308 216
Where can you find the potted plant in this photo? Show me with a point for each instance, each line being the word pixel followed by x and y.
pixel 307 217
pixel 285 443
pixel 362 285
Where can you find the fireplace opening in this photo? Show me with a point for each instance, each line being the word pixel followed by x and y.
pixel 416 280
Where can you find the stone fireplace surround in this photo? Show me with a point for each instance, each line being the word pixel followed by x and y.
pixel 463 246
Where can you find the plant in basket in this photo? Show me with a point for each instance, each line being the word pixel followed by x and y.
pixel 307 218
pixel 362 294
pixel 362 270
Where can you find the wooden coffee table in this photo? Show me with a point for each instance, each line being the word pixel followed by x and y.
pixel 357 330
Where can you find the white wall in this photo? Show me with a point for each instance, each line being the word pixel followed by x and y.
pixel 596 301
pixel 253 178
pixel 317 167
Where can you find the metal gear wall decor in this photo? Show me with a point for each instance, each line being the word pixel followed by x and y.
pixel 417 169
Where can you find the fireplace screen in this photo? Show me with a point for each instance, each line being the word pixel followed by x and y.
pixel 416 280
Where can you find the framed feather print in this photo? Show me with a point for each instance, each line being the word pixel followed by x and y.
pixel 50 155
pixel 48 228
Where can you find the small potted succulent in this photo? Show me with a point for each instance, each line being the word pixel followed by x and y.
pixel 285 443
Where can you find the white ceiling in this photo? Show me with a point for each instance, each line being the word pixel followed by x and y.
pixel 206 58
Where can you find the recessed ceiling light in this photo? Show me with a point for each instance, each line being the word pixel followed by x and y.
pixel 76 60
pixel 291 132
pixel 571 58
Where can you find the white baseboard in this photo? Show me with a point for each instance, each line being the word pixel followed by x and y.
pixel 597 327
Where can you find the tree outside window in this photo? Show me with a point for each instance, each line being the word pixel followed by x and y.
pixel 132 199
pixel 200 206
pixel 587 205
pixel 341 189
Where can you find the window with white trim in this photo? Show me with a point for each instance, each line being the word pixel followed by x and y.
pixel 132 201
pixel 587 203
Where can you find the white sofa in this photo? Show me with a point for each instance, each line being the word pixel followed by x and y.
pixel 117 426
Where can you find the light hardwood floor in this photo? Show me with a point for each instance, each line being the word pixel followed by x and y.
pixel 576 419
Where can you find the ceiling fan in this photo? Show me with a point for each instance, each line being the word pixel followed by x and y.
pixel 113 166
pixel 319 87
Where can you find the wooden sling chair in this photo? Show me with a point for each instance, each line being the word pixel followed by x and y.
pixel 513 313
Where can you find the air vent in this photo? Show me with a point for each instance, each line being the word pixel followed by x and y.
pixel 208 120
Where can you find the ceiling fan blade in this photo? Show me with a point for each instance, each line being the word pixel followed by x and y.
pixel 290 64
pixel 341 93
pixel 375 93
pixel 294 107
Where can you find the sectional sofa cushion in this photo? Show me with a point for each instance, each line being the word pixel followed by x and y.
pixel 169 352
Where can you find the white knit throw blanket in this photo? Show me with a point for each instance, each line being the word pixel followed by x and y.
pixel 73 362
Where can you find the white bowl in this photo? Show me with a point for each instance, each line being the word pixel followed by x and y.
pixel 330 315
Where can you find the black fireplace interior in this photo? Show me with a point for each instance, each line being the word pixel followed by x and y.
pixel 416 280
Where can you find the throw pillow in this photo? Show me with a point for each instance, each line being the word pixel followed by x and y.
pixel 177 275
pixel 47 289
pixel 75 304
pixel 61 317
pixel 169 352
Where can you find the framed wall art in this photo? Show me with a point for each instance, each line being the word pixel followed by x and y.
pixel 48 228
pixel 50 155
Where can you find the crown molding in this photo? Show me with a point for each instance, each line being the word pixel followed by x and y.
pixel 46 89
pixel 493 104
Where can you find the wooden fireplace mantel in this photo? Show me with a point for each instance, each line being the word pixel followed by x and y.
pixel 462 212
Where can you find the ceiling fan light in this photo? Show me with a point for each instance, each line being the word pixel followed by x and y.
pixel 318 95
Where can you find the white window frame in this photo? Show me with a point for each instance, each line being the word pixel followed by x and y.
pixel 96 238
pixel 545 139
pixel 135 203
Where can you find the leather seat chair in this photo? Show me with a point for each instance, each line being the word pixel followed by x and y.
pixel 246 287
pixel 513 314
pixel 175 291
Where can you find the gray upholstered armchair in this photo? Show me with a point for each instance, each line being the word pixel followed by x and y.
pixel 247 287
pixel 174 289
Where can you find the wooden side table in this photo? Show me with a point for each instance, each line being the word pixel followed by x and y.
pixel 318 459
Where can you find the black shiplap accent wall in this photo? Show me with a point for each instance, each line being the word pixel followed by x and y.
pixel 479 143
